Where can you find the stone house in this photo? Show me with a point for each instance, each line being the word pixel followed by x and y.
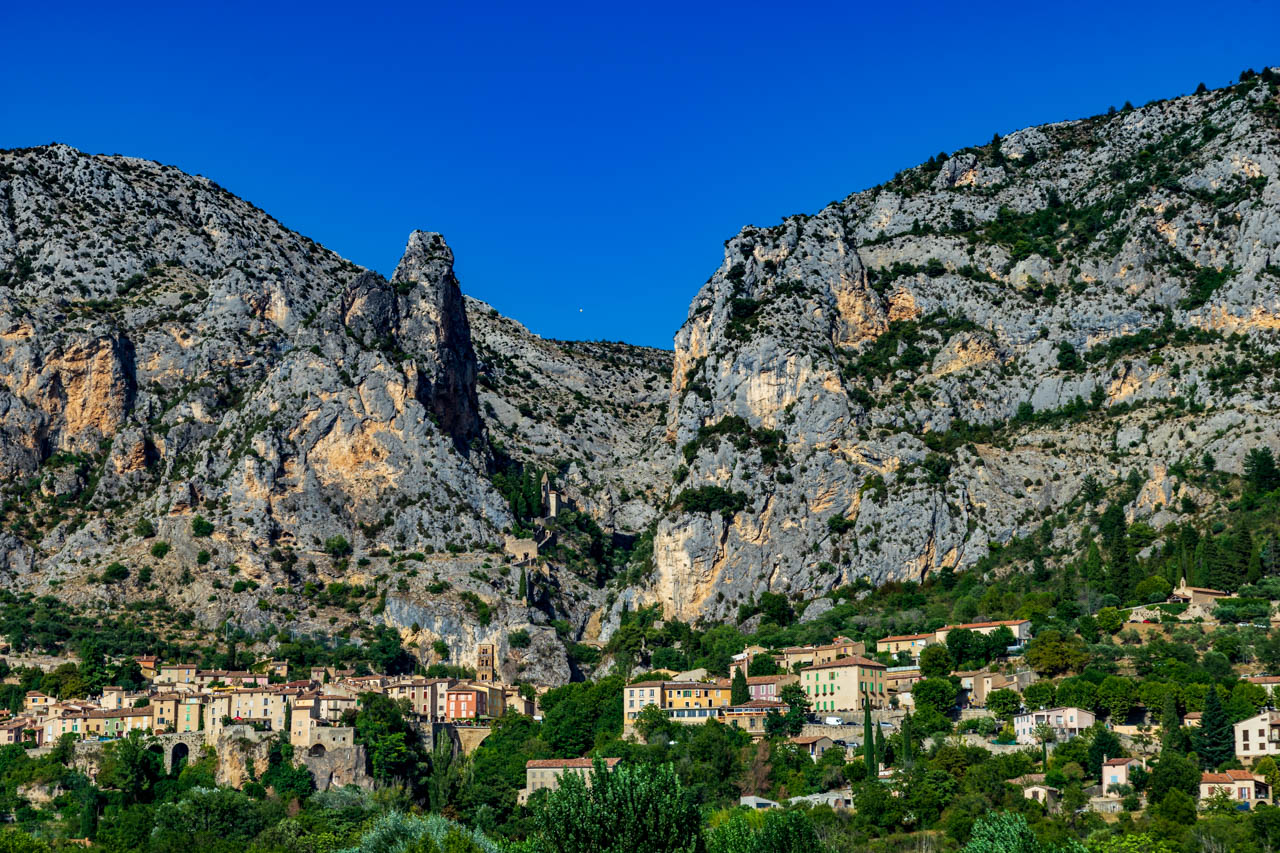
pixel 545 773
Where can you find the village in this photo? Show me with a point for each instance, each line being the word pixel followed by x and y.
pixel 843 691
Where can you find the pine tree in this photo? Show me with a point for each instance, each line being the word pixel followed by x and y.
pixel 1215 739
pixel 739 693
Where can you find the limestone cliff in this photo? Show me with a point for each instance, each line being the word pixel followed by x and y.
pixel 887 387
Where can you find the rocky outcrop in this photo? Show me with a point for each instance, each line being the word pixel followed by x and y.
pixel 882 390
pixel 890 386
pixel 168 351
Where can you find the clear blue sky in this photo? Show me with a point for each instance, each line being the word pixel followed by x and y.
pixel 585 161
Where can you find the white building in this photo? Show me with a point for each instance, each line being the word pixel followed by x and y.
pixel 1066 723
pixel 1258 736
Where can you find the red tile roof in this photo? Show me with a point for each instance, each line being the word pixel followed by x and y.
pixel 1227 777
pixel 565 763
pixel 852 660
pixel 995 624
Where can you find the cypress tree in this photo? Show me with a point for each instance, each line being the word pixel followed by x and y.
pixel 1200 562
pixel 1218 564
pixel 868 738
pixel 1093 567
pixel 908 758
pixel 881 748
pixel 1169 721
pixel 739 693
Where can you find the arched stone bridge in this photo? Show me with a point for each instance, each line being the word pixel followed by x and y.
pixel 179 747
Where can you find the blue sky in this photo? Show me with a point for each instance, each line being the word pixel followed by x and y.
pixel 585 161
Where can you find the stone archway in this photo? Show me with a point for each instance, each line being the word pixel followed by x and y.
pixel 178 756
pixel 316 750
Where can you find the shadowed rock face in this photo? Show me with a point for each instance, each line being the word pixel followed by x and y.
pixel 433 320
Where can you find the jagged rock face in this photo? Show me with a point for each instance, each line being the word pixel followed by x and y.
pixel 168 350
pixel 434 317
pixel 591 412
pixel 861 335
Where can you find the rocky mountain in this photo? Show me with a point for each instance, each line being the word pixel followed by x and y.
pixel 935 366
pixel 204 410
pixel 198 404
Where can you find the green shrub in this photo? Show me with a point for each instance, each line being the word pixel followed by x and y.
pixel 114 573
pixel 712 499
pixel 201 527
pixel 337 547
pixel 159 550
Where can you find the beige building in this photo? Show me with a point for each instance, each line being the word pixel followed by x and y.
pixel 1241 786
pixel 841 685
pixel 1197 595
pixel 840 647
pixel 177 712
pixel 742 660
pixel 1116 771
pixel 545 773
pixel 176 673
pixel 36 702
pixel 1257 736
pixel 267 705
pixel 898 679
pixel 1021 629
pixel 690 702
pixel 813 745
pixel 912 644
pixel 425 695
pixel 751 716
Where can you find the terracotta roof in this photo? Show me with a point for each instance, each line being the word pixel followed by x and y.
pixel 1202 589
pixel 852 660
pixel 1227 777
pixel 810 739
pixel 1118 762
pixel 904 637
pixel 565 763
pixel 1263 679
